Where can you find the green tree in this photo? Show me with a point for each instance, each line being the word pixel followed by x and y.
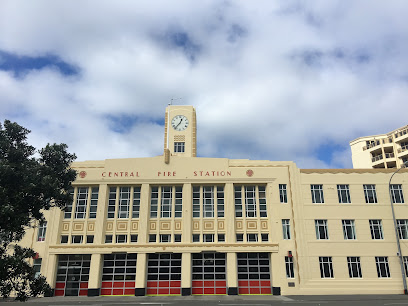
pixel 30 181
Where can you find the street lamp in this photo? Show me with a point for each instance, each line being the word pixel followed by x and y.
pixel 404 281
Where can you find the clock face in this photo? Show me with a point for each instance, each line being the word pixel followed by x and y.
pixel 179 123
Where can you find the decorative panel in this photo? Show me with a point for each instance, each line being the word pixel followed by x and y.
pixel 165 225
pixel 208 225
pixel 153 225
pixel 177 225
pixel 135 226
pixel 220 225
pixel 78 227
pixel 109 226
pixel 91 226
pixel 196 225
pixel 264 224
pixel 121 226
pixel 65 227
pixel 238 224
pixel 251 225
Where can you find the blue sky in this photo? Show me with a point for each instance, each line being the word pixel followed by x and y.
pixel 275 80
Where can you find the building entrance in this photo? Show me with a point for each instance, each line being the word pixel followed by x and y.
pixel 164 274
pixel 209 273
pixel 119 274
pixel 254 273
pixel 72 275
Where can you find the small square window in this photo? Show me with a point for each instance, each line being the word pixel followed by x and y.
pixel 177 238
pixel 133 238
pixel 77 239
pixel 252 237
pixel 221 237
pixel 265 237
pixel 152 238
pixel 165 238
pixel 121 238
pixel 89 239
pixel 64 239
pixel 196 238
pixel 240 237
pixel 108 239
pixel 179 147
pixel 208 237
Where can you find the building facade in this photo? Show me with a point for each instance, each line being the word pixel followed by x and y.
pixel 179 225
pixel 381 151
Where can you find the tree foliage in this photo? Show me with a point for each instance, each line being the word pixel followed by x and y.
pixel 30 181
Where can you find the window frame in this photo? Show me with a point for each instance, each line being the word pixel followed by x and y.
pixel 347 228
pixel 326 265
pixel 343 193
pixel 290 269
pixel 376 227
pixel 286 229
pixel 370 193
pixel 397 194
pixel 317 193
pixel 354 267
pixel 402 227
pixel 283 193
pixel 179 147
pixel 382 265
pixel 42 231
pixel 321 227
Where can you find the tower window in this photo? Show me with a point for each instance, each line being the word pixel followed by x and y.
pixel 179 147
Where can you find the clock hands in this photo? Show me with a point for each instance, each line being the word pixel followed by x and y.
pixel 181 120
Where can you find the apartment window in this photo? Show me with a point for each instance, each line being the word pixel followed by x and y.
pixel 89 239
pixel 136 202
pixel 166 201
pixel 196 238
pixel 252 237
pixel 177 238
pixel 405 258
pixel 343 193
pixel 64 239
pixel 208 237
pixel 108 239
pixel 152 238
pixel 37 267
pixel 376 229
pixel 165 238
pixel 286 228
pixel 93 207
pixel 402 226
pixel 221 237
pixel 290 272
pixel 196 201
pixel 354 267
pixel 68 207
pixel 283 193
pixel 349 229
pixel 240 237
pixel 81 202
pixel 169 197
pixel 265 237
pixel 209 200
pixel 254 198
pixel 133 238
pixel 77 238
pixel 178 202
pixel 220 201
pixel 383 270
pixel 370 194
pixel 317 193
pixel 124 202
pixel 121 238
pixel 396 194
pixel 326 267
pixel 321 229
pixel 42 229
pixel 154 198
pixel 111 202
pixel 179 147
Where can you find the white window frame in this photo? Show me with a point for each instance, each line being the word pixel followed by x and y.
pixel 93 204
pixel 283 193
pixel 349 227
pixel 321 227
pixel 42 230
pixel 208 201
pixel 165 238
pixel 252 237
pixel 326 265
pixel 208 238
pixel 37 267
pixel 317 193
pixel 121 238
pixel 354 267
pixel 370 194
pixel 290 271
pixel 382 266
pixel 81 202
pixel 286 229
pixel 376 227
pixel 124 202
pixel 402 226
pixel 179 147
pixel 136 202
pixel 75 237
pixel 397 194
pixel 343 192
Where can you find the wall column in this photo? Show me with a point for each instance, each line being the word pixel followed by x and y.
pixel 186 274
pixel 187 214
pixel 94 283
pixel 141 273
pixel 51 274
pixel 101 212
pixel 276 264
pixel 229 213
pixel 144 215
pixel 232 274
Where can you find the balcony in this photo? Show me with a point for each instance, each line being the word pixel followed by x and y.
pixel 389 155
pixel 403 150
pixel 401 135
pixel 377 158
pixel 372 145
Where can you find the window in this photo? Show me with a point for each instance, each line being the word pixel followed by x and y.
pixel 321 229
pixel 402 226
pixel 37 267
pixel 396 194
pixel 166 201
pixel 252 237
pixel 133 238
pixel 179 147
pixel 178 202
pixel 170 198
pixel 370 194
pixel 136 202
pixel 220 201
pixel 93 207
pixel 124 202
pixel 81 203
pixel 240 237
pixel 265 237
pixel 77 238
pixel 154 198
pixel 286 229
pixel 349 229
pixel 111 202
pixel 383 269
pixel 42 228
pixel 196 238
pixel 405 258
pixel 177 238
pixel 165 238
pixel 64 239
pixel 121 238
pixel 208 237
pixel 89 239
pixel 343 193
pixel 354 267
pixel 283 193
pixel 152 238
pixel 376 229
pixel 290 272
pixel 317 193
pixel 68 207
pixel 108 239
pixel 326 267
pixel 254 198
pixel 209 200
pixel 221 237
pixel 120 197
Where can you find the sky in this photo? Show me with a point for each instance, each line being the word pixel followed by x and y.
pixel 273 80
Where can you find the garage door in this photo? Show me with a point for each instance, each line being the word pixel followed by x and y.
pixel 209 274
pixel 164 274
pixel 253 273
pixel 72 275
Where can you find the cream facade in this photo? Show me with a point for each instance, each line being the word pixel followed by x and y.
pixel 179 225
pixel 381 151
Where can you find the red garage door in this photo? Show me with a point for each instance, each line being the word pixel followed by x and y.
pixel 209 274
pixel 254 273
pixel 118 274
pixel 164 274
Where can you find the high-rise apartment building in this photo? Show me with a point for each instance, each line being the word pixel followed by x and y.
pixel 381 151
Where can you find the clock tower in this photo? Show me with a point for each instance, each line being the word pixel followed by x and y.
pixel 180 131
